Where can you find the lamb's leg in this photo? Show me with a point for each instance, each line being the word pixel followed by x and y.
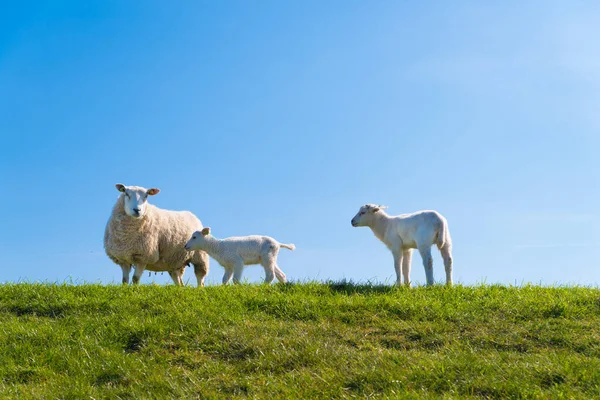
pixel 126 271
pixel 227 275
pixel 397 266
pixel 406 259
pixel 137 274
pixel 238 268
pixel 427 263
pixel 268 261
pixel 446 253
pixel 269 275
pixel 200 269
pixel 269 272
pixel 280 275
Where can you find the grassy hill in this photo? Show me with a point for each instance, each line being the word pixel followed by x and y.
pixel 298 340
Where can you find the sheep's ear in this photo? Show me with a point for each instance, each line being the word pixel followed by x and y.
pixel 120 187
pixel 206 231
pixel 153 191
pixel 375 209
pixel 383 207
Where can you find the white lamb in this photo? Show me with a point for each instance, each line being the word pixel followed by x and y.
pixel 151 238
pixel 404 232
pixel 235 252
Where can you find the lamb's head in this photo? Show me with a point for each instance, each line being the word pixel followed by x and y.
pixel 366 214
pixel 198 240
pixel 136 199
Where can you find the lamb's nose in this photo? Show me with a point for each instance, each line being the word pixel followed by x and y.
pixel 137 210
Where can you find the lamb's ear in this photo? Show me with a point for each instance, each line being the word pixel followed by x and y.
pixel 153 191
pixel 206 231
pixel 120 187
pixel 375 209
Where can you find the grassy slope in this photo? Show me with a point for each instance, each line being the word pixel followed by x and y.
pixel 311 341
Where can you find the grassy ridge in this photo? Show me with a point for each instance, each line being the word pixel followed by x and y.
pixel 298 340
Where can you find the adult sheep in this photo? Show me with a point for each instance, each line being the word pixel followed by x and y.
pixel 403 233
pixel 150 238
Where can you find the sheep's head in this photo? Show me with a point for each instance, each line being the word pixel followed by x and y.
pixel 136 199
pixel 198 240
pixel 365 215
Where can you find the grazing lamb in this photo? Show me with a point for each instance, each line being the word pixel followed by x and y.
pixel 404 232
pixel 235 252
pixel 151 238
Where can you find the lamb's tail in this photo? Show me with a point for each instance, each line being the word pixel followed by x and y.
pixel 443 235
pixel 288 246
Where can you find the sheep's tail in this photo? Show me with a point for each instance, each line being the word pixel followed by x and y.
pixel 288 246
pixel 443 235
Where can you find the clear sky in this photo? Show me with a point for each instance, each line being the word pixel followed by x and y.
pixel 283 117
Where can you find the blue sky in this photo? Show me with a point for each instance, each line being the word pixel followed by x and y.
pixel 282 118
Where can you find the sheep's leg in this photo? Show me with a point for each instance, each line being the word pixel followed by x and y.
pixel 406 259
pixel 427 263
pixel 238 268
pixel 180 275
pixel 137 274
pixel 176 276
pixel 200 270
pixel 126 271
pixel 447 257
pixel 280 275
pixel 227 276
pixel 397 266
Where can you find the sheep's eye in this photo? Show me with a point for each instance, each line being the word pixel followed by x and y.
pixel 193 237
pixel 362 213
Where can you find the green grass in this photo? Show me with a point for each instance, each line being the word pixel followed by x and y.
pixel 298 341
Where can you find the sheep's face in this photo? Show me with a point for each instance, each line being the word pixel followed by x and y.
pixel 365 215
pixel 136 199
pixel 198 240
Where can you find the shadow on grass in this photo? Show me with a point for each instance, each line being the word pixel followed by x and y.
pixel 110 378
pixel 349 287
pixel 344 286
pixel 50 311
pixel 22 376
pixel 136 340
